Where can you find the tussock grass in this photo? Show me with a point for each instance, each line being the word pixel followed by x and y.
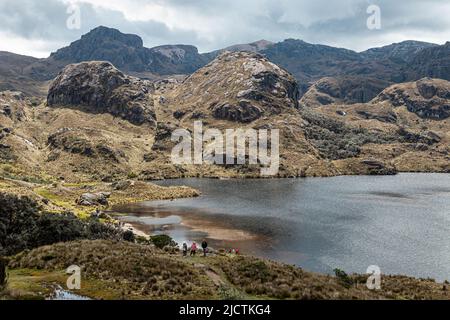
pixel 278 281
pixel 135 271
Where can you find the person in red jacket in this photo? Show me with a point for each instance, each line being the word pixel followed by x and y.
pixel 193 249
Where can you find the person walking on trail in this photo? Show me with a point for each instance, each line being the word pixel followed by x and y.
pixel 205 247
pixel 193 249
pixel 185 249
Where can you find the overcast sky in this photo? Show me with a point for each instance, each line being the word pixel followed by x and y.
pixel 39 27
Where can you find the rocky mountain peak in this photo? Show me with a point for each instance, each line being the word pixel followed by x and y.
pixel 176 52
pixel 256 46
pixel 402 51
pixel 105 34
pixel 102 88
pixel 125 51
pixel 238 86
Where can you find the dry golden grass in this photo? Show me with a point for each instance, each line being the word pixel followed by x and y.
pixel 116 270
pixel 136 271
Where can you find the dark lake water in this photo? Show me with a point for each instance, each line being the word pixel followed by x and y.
pixel 399 223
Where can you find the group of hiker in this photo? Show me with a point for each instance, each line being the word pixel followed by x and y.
pixel 194 248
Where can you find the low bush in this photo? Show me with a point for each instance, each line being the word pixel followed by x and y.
pixel 163 240
pixel 336 140
pixel 343 278
pixel 129 236
pixel 23 226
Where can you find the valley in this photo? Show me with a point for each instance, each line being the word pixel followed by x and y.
pixel 91 127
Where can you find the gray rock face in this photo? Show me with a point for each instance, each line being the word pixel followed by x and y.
pixel 376 167
pixel 402 52
pixel 127 52
pixel 343 90
pixel 92 199
pixel 236 86
pixel 390 117
pixel 123 50
pixel 428 98
pixel 244 112
pixel 433 62
pixel 103 88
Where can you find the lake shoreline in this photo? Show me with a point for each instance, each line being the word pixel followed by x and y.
pixel 205 217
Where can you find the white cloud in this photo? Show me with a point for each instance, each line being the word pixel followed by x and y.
pixel 33 47
pixel 38 27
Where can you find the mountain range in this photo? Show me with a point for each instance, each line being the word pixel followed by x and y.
pixel 369 72
pixel 104 108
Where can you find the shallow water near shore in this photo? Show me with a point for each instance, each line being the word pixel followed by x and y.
pixel 399 223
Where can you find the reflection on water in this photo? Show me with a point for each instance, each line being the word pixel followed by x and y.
pixel 400 223
pixel 61 294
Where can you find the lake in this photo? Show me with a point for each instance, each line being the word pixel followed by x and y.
pixel 399 223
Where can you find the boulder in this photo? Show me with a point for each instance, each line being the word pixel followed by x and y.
pixel 93 199
pixel 104 89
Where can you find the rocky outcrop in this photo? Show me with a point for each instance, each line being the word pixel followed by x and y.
pixel 81 142
pixel 428 98
pixel 244 112
pixel 175 59
pixel 400 62
pixel 402 52
pixel 256 46
pixel 239 87
pixel 125 51
pixel 93 199
pixel 376 167
pixel 433 62
pixel 104 89
pixel 343 90
pixel 311 62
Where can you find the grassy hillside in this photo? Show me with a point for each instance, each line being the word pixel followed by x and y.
pixel 122 270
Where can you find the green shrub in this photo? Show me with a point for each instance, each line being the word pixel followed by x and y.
pixel 230 293
pixel 18 218
pixel 132 175
pixel 142 240
pixel 163 240
pixel 23 226
pixel 129 236
pixel 337 140
pixel 257 270
pixel 54 228
pixel 343 278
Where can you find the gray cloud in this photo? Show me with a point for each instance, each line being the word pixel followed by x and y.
pixel 213 24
